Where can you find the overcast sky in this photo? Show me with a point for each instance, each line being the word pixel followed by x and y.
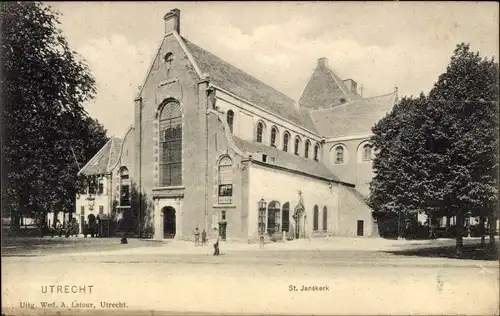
pixel 380 45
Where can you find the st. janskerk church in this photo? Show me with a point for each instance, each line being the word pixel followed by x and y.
pixel 212 146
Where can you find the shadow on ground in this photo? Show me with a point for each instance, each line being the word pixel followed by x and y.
pixel 470 252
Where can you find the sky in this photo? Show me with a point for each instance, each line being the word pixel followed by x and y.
pixel 380 45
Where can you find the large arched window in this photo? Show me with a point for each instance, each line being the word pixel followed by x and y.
pixel 274 133
pixel 297 145
pixel 316 152
pixel 306 148
pixel 124 187
pixel 339 155
pixel 325 218
pixel 285 217
pixel 225 183
pixel 286 138
pixel 273 217
pixel 260 131
pixel 367 152
pixel 170 145
pixel 230 120
pixel 316 218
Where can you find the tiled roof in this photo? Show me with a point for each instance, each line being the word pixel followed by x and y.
pixel 353 118
pixel 287 160
pixel 325 89
pixel 238 82
pixel 104 160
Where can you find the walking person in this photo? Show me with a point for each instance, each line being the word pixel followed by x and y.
pixel 216 242
pixel 196 237
pixel 203 237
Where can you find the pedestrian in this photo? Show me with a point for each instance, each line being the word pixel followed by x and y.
pixel 85 229
pixel 216 243
pixel 196 237
pixel 59 228
pixel 203 237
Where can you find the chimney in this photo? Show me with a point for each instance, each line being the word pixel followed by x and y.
pixel 323 62
pixel 172 21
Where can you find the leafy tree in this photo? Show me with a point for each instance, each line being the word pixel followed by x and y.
pixel 44 87
pixel 438 154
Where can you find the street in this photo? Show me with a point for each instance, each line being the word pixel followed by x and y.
pixel 178 277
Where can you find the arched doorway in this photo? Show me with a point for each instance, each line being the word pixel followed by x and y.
pixel 168 222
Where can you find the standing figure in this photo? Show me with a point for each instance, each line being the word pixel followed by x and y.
pixel 203 237
pixel 196 237
pixel 216 243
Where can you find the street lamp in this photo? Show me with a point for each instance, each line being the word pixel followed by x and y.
pixel 262 214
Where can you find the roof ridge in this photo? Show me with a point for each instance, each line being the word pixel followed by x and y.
pixel 253 77
pixel 355 101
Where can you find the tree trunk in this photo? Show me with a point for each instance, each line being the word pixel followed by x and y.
pixel 493 227
pixel 432 233
pixel 447 224
pixel 14 221
pixel 482 229
pixel 459 232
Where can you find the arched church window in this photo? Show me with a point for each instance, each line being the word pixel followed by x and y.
pixel 260 131
pixel 124 187
pixel 230 120
pixel 297 145
pixel 306 148
pixel 367 152
pixel 325 218
pixel 286 138
pixel 170 162
pixel 316 152
pixel 225 182
pixel 274 133
pixel 316 218
pixel 339 155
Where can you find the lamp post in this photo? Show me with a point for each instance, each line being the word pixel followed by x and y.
pixel 262 210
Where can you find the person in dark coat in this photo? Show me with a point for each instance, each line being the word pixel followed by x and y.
pixel 216 242
pixel 203 237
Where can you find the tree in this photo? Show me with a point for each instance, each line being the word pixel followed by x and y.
pixel 438 154
pixel 44 88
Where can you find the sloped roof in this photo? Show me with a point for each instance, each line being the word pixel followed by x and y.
pixel 240 83
pixel 287 160
pixel 325 89
pixel 104 160
pixel 353 118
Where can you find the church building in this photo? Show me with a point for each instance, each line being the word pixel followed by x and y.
pixel 213 147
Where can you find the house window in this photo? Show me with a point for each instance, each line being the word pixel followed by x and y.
pixel 100 186
pixel 260 130
pixel 297 145
pixel 92 186
pixel 101 209
pixel 124 187
pixel 286 137
pixel 339 155
pixel 225 183
pixel 367 152
pixel 306 149
pixel 316 152
pixel 170 163
pixel 274 132
pixel 325 218
pixel 230 120
pixel 316 218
